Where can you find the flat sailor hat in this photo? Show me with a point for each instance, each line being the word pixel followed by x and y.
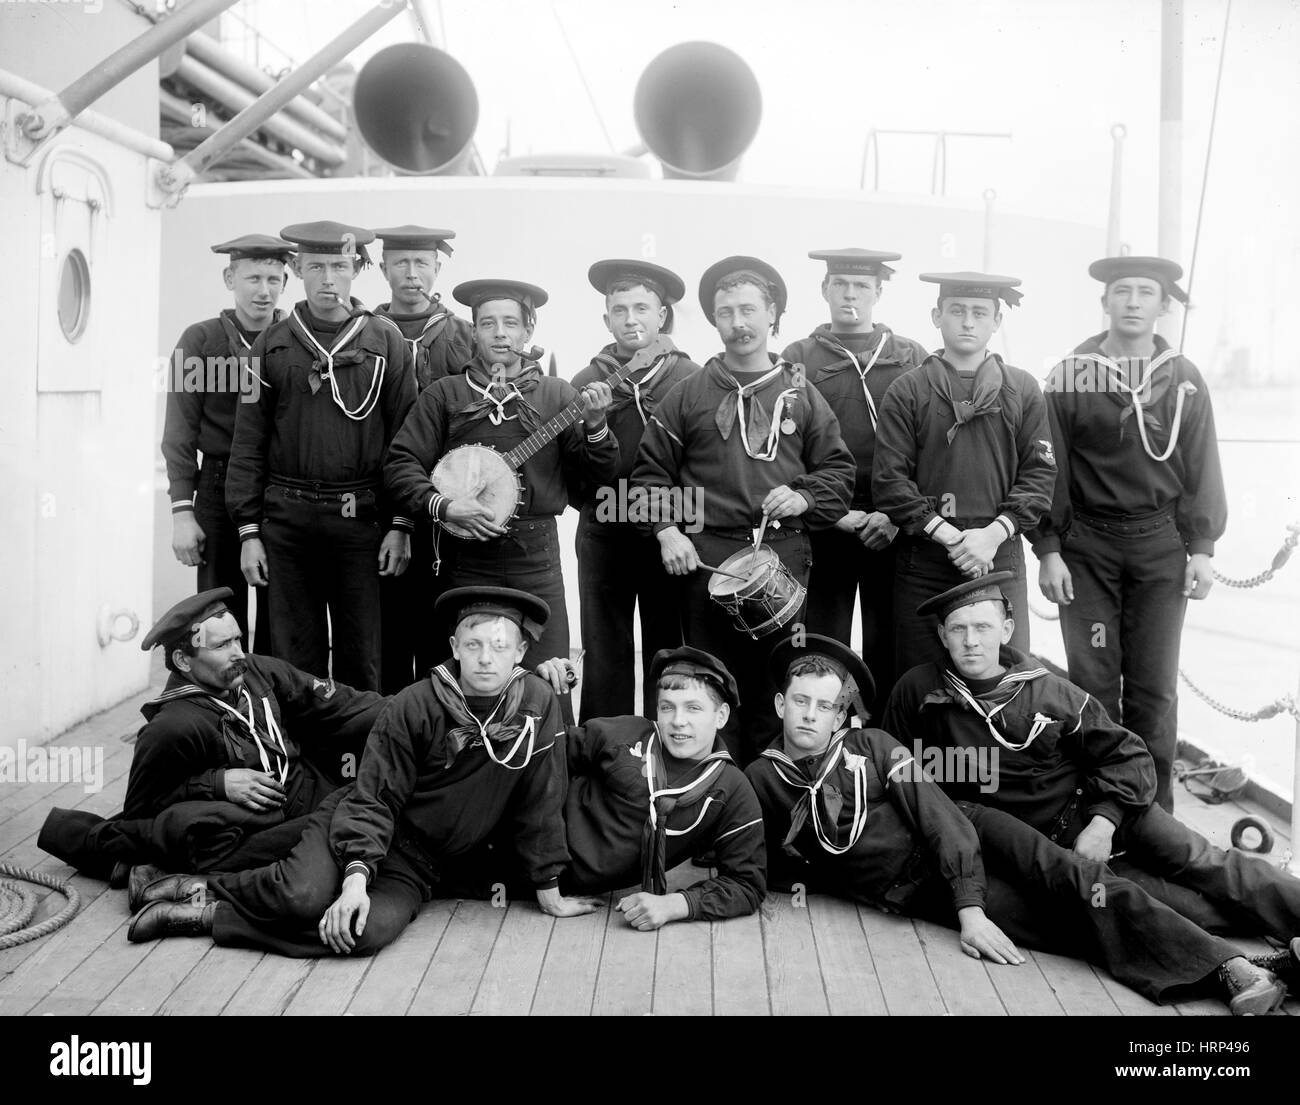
pixel 975 285
pixel 759 272
pixel 856 262
pixel 527 611
pixel 849 664
pixel 967 594
pixel 181 620
pixel 256 246
pixel 411 236
pixel 1167 273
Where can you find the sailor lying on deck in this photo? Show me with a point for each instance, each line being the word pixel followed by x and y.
pixel 1073 774
pixel 218 777
pixel 846 814
pixel 644 797
pixel 450 759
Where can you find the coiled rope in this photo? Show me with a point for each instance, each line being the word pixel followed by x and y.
pixel 18 905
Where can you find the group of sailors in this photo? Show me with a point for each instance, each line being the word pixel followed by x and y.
pixel 871 470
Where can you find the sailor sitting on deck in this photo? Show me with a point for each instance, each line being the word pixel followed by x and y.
pixel 644 797
pixel 218 779
pixel 450 759
pixel 1066 769
pixel 848 813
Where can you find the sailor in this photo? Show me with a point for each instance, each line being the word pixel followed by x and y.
pixel 645 796
pixel 850 812
pixel 1066 768
pixel 502 400
pixel 964 463
pixel 852 360
pixel 760 453
pixel 234 754
pixel 619 571
pixel 441 344
pixel 1138 505
pixel 206 380
pixel 307 464
pixel 476 745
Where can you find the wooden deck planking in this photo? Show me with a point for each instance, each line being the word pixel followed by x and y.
pixel 96 976
pixel 683 971
pixel 963 982
pixel 1075 986
pixel 847 970
pixel 566 985
pixel 211 984
pixel 739 972
pixel 452 980
pixel 56 956
pixel 154 978
pixel 327 991
pixel 625 980
pixel 394 976
pixel 467 957
pixel 906 981
pixel 794 979
pixel 510 979
pixel 269 987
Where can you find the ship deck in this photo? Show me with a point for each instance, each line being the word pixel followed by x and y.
pixel 467 957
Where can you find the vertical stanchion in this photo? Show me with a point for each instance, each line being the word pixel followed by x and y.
pixel 1293 864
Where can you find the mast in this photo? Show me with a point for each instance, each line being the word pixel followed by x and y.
pixel 1169 200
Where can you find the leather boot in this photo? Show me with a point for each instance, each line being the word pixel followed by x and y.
pixel 1285 964
pixel 153 884
pixel 160 919
pixel 1251 991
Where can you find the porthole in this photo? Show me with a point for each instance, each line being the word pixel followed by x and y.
pixel 74 295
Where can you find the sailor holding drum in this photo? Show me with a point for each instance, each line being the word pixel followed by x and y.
pixel 765 451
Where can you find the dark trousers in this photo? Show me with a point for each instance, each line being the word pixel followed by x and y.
pixel 527 558
pixel 322 552
pixel 411 644
pixel 620 573
pixel 709 627
pixel 1045 897
pixel 189 836
pixel 1123 629
pixel 842 571
pixel 1257 898
pixel 924 571
pixel 278 908
pixel 220 567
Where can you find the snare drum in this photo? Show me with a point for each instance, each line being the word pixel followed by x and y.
pixel 766 599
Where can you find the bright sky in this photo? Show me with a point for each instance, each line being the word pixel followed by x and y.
pixel 1055 74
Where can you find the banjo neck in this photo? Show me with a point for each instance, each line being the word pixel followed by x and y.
pixel 549 430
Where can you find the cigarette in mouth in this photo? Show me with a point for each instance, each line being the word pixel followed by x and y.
pixel 854 311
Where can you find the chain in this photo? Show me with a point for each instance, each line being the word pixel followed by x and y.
pixel 1285 704
pixel 1280 557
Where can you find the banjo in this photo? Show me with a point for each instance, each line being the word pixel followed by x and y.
pixel 480 472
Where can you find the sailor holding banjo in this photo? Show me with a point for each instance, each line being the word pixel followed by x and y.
pixel 766 453
pixel 496 506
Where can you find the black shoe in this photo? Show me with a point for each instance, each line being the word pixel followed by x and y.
pixel 1285 964
pixel 153 884
pixel 159 919
pixel 1252 991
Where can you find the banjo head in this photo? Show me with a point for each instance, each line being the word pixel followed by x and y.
pixel 478 472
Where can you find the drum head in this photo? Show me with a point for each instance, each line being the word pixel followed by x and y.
pixel 747 563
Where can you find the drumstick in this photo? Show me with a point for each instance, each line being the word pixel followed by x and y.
pixel 762 528
pixel 722 572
